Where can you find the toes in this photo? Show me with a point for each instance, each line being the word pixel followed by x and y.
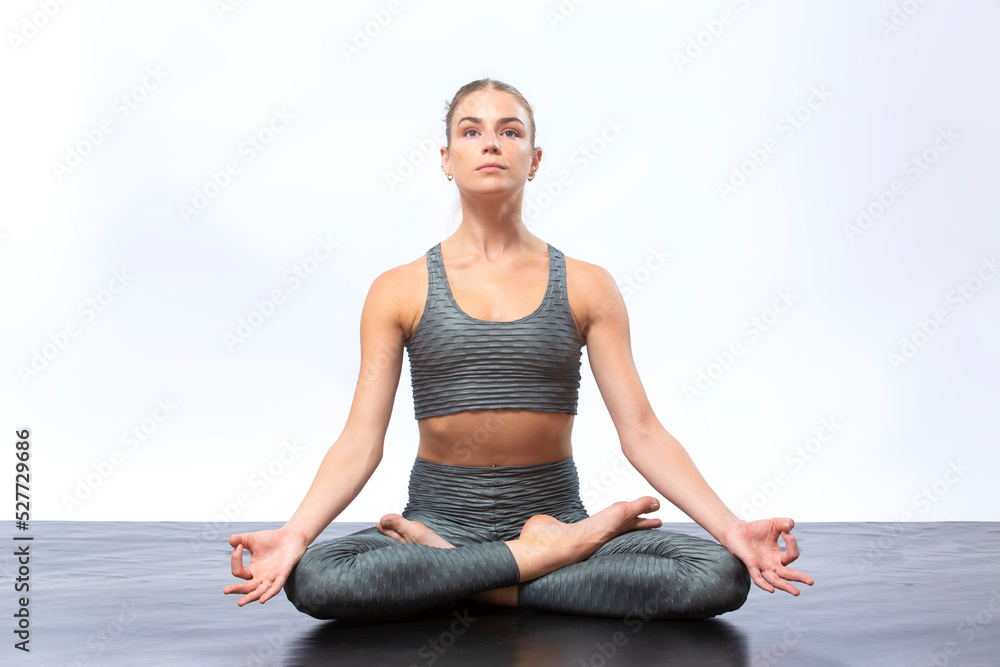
pixel 389 526
pixel 390 533
pixel 642 524
pixel 631 510
pixel 643 505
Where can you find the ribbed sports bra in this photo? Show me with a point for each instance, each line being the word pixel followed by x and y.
pixel 458 362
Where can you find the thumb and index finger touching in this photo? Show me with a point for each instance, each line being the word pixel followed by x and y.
pixel 239 569
pixel 240 542
pixel 790 554
pixel 240 538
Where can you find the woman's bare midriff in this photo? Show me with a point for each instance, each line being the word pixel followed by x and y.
pixel 496 437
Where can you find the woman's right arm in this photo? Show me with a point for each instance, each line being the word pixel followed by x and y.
pixel 350 461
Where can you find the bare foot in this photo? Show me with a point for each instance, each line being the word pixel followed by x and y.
pixel 410 532
pixel 547 544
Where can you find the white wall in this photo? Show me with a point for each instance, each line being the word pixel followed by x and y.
pixel 910 439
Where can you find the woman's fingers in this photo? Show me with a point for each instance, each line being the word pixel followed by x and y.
pixel 780 578
pixel 265 574
pixel 791 548
pixel 273 590
pixel 781 526
pixel 246 589
pixel 764 549
pixel 760 581
pixel 253 594
pixel 236 561
pixel 794 575
pixel 240 589
pixel 779 583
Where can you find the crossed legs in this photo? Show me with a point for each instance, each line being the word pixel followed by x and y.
pixel 544 545
pixel 517 536
pixel 609 564
pixel 653 573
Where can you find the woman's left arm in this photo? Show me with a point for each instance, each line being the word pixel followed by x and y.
pixel 656 454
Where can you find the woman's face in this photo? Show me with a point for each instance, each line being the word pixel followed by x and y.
pixel 490 126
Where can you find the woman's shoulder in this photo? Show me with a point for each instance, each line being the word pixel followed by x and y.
pixel 587 275
pixel 401 290
pixel 406 270
pixel 593 292
pixel 402 278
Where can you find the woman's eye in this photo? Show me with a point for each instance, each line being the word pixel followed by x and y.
pixel 465 133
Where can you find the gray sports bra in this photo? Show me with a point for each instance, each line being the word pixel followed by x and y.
pixel 458 362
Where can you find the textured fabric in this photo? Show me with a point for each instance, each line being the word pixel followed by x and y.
pixel 458 362
pixel 467 504
pixel 368 576
pixel 644 573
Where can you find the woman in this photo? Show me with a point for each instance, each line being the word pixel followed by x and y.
pixel 494 512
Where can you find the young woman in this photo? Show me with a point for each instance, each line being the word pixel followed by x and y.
pixel 494 320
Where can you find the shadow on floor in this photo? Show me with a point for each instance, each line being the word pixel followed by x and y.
pixel 468 633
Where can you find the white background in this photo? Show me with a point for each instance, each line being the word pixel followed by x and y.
pixel 915 439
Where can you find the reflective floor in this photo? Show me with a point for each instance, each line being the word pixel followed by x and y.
pixel 151 594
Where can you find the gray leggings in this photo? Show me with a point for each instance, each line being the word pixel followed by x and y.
pixel 644 573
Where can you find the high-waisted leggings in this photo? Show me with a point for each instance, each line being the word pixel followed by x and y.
pixel 650 573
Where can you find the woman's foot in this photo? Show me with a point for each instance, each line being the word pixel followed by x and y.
pixel 410 532
pixel 547 544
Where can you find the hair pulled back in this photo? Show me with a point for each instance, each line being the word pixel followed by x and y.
pixel 486 84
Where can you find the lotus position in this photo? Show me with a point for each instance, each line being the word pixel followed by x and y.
pixel 494 320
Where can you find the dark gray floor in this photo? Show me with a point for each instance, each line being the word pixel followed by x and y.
pixel 151 594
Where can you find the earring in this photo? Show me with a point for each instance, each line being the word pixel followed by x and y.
pixel 450 177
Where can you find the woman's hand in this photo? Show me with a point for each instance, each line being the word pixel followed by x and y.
pixel 756 544
pixel 273 554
